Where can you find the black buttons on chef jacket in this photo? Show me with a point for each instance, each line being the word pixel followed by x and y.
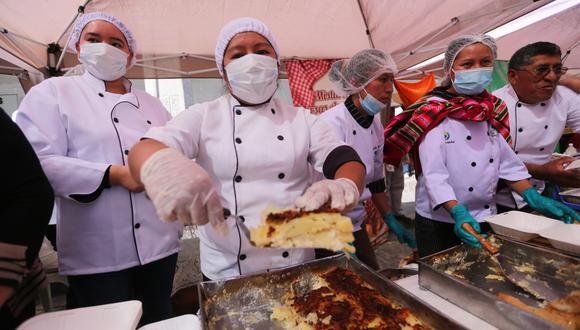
pixel 491 160
pixel 137 225
pixel 281 176
pixel 517 152
pixel 238 140
pixel 126 152
pixel 101 95
pixel 520 129
pixel 486 206
pixel 242 218
pixel 238 178
pixel 519 104
pixel 546 127
pixel 468 137
pixel 543 104
pixel 238 112
pixel 149 122
pixel 273 111
pixel 542 149
pixel 115 120
pixel 242 257
pixel 285 254
pixel 470 189
pixel 280 137
pixel 353 132
pixel 473 164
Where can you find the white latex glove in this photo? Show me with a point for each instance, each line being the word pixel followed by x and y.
pixel 181 189
pixel 341 193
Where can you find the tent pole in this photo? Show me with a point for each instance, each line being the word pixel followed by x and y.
pixel 201 57
pixel 448 26
pixel 80 10
pixel 21 48
pixel 569 50
pixel 191 73
pixel 7 33
pixel 160 68
pixel 367 31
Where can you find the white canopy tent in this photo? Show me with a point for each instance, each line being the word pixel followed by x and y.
pixel 176 38
pixel 561 27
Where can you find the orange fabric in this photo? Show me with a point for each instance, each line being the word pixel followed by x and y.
pixel 411 92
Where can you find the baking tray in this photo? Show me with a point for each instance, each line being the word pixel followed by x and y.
pixel 477 294
pixel 247 302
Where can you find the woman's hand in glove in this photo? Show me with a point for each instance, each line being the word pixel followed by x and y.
pixel 461 215
pixel 341 193
pixel 181 189
pixel 403 235
pixel 549 207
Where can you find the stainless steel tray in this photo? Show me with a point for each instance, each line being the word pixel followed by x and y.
pixel 477 294
pixel 247 302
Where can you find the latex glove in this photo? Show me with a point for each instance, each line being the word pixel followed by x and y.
pixel 403 235
pixel 460 214
pixel 181 189
pixel 341 193
pixel 549 207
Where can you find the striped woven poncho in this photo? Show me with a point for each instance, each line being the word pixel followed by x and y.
pixel 405 132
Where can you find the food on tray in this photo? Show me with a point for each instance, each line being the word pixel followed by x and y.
pixel 292 228
pixel 340 299
pixel 554 312
pixel 411 258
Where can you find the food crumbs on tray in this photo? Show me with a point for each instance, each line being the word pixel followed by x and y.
pixel 342 301
pixel 495 277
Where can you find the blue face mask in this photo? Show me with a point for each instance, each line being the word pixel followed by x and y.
pixel 472 82
pixel 371 105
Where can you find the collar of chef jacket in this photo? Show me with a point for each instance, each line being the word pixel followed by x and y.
pixel 99 86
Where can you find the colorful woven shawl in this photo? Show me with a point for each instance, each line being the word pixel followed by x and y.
pixel 405 132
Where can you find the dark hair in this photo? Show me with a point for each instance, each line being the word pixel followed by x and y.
pixel 524 55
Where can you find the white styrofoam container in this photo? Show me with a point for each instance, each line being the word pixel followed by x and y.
pixel 564 237
pixel 519 225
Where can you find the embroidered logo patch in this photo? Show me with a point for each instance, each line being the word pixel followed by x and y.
pixel 447 137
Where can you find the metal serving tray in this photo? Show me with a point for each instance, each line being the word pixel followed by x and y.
pixel 477 294
pixel 247 302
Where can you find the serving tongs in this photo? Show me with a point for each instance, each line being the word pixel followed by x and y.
pixel 532 285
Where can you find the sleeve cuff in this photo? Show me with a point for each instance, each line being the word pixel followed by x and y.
pixel 377 186
pixel 88 198
pixel 338 157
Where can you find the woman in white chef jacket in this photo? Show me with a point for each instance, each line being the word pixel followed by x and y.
pixel 251 150
pixel 461 130
pixel 111 243
pixel 367 82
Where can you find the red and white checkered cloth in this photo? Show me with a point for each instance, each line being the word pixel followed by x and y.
pixel 302 74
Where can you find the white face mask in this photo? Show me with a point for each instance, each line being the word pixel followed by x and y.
pixel 253 78
pixel 103 60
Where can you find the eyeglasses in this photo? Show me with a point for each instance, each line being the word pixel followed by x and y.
pixel 541 71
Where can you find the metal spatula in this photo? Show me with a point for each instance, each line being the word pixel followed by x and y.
pixel 243 228
pixel 537 288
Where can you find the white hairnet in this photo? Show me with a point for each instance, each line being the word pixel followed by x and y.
pixel 98 16
pixel 457 45
pixel 239 25
pixel 351 76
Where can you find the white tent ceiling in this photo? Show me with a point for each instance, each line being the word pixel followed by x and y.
pixel 562 29
pixel 179 35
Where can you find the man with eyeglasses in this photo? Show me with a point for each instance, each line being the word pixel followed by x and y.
pixel 539 110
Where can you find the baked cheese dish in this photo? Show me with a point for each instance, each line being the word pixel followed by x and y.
pixel 292 228
pixel 340 299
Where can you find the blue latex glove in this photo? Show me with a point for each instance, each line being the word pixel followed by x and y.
pixel 549 207
pixel 403 235
pixel 460 214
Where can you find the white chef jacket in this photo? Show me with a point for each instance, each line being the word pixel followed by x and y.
pixel 78 130
pixel 536 129
pixel 463 161
pixel 368 143
pixel 257 156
